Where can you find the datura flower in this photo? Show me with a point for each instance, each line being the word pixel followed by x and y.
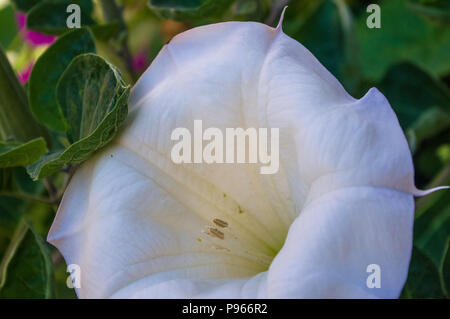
pixel 139 225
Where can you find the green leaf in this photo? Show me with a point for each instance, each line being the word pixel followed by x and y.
pixel 10 215
pixel 8 26
pixel 46 73
pixel 436 11
pixel 423 278
pixel 50 16
pixel 17 154
pixel 16 121
pixel 93 100
pixel 25 5
pixel 411 91
pixel 26 268
pixel 189 9
pixel 445 270
pixel 87 92
pixel 403 36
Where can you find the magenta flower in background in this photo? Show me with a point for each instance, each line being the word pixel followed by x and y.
pixel 140 62
pixel 31 37
pixel 24 75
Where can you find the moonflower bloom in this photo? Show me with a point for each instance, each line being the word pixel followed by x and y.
pixel 141 226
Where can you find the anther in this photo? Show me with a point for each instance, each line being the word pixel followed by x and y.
pixel 220 223
pixel 216 233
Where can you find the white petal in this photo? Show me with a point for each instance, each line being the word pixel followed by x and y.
pixel 131 217
pixel 122 227
pixel 337 236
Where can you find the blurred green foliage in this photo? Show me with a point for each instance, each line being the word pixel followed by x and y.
pixel 7 22
pixel 189 9
pixel 46 16
pixel 407 59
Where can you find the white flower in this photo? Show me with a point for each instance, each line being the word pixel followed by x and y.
pixel 140 225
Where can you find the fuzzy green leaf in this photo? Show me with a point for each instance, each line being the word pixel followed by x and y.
pixel 48 70
pixel 93 99
pixel 17 154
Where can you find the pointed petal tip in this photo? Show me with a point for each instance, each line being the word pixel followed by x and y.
pixel 51 239
pixel 53 236
pixel 373 93
pixel 280 22
pixel 420 193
